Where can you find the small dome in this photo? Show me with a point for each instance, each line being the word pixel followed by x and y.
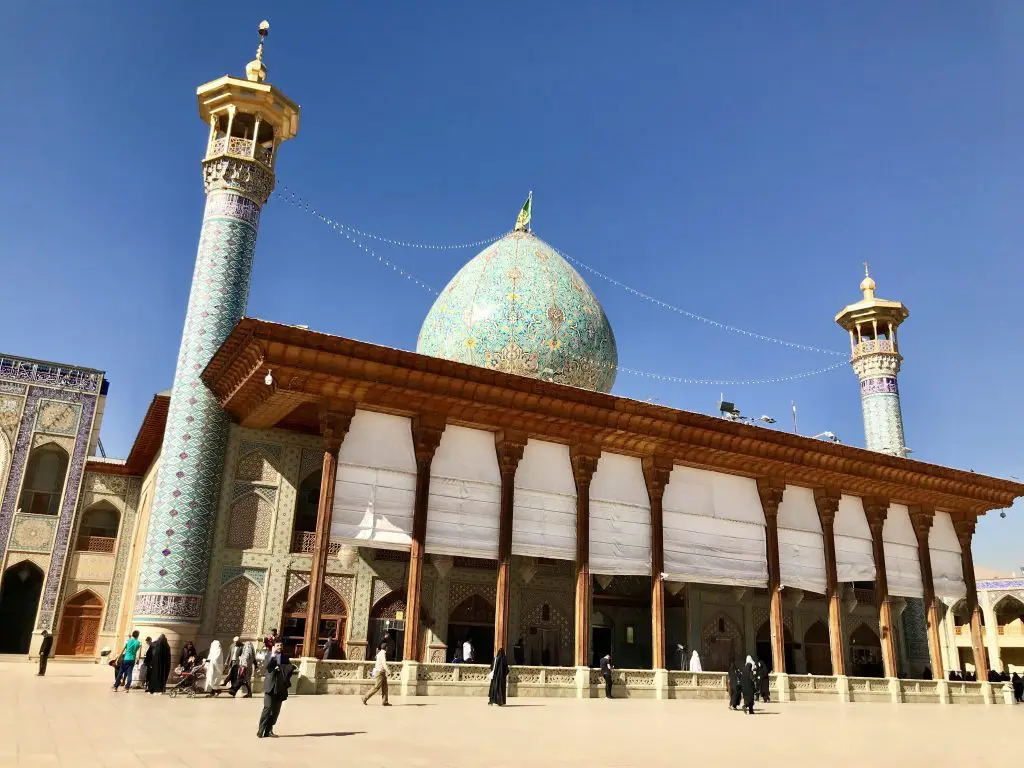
pixel 520 308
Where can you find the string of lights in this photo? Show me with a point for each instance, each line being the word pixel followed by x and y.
pixel 287 192
pixel 292 198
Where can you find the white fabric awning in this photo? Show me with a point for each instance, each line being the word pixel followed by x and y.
pixel 620 518
pixel 855 560
pixel 947 566
pixel 801 546
pixel 714 529
pixel 375 490
pixel 464 507
pixel 902 565
pixel 544 511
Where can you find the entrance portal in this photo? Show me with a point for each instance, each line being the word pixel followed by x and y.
pixel 865 653
pixel 19 600
pixel 764 646
pixel 80 625
pixel 818 650
pixel 472 620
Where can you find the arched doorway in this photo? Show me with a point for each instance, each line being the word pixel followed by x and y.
pixel 722 643
pixel 387 624
pixel 865 653
pixel 19 600
pixel 817 649
pixel 80 625
pixel 764 646
pixel 333 621
pixel 473 620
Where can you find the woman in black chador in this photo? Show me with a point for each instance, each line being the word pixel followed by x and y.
pixel 764 682
pixel 734 685
pixel 499 679
pixel 159 665
pixel 747 684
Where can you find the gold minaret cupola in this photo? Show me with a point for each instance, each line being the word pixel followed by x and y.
pixel 875 356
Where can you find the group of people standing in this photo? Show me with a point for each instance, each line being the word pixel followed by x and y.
pixel 149 667
pixel 748 681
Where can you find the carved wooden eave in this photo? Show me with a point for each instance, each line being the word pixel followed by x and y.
pixel 147 442
pixel 310 368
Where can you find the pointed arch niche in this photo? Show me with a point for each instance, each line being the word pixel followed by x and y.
pixel 333 624
pixel 80 625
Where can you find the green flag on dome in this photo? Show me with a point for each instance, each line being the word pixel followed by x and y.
pixel 523 221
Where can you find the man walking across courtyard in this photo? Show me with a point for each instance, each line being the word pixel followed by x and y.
pixel 380 673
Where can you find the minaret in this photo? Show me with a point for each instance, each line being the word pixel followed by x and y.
pixel 872 324
pixel 248 119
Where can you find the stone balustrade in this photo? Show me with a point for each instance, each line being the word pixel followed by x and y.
pixel 355 677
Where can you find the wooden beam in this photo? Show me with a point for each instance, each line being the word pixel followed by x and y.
pixel 509 446
pixel 584 460
pixel 771 489
pixel 827 502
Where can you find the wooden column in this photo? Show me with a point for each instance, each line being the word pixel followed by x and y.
pixel 584 463
pixel 657 470
pixel 922 518
pixel 770 490
pixel 876 509
pixel 965 532
pixel 334 423
pixel 426 436
pixel 510 446
pixel 827 502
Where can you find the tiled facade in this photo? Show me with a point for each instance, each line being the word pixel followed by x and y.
pixel 44 406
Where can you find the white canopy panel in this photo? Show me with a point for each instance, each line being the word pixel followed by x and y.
pixel 375 490
pixel 714 529
pixel 902 566
pixel 544 511
pixel 464 506
pixel 620 518
pixel 801 546
pixel 855 560
pixel 947 567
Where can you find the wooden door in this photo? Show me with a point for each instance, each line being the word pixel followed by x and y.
pixel 80 626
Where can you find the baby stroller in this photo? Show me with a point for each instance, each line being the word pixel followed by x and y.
pixel 190 681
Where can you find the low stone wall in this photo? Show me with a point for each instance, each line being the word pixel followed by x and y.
pixel 355 677
pixel 697 685
pixel 813 688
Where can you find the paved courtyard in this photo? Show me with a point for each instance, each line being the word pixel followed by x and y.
pixel 71 718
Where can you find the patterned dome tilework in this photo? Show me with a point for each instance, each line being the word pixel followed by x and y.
pixel 520 308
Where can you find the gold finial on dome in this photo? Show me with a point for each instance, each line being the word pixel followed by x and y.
pixel 867 285
pixel 255 71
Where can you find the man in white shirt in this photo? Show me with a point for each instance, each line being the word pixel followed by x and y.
pixel 380 674
pixel 467 651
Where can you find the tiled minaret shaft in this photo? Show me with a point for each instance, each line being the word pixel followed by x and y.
pixel 248 120
pixel 876 359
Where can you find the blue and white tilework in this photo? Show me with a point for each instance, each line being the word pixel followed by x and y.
pixel 176 561
pixel 520 308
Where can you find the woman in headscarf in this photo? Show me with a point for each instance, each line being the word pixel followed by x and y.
pixel 499 679
pixel 733 684
pixel 1018 687
pixel 747 675
pixel 763 681
pixel 695 662
pixel 159 665
pixel 214 666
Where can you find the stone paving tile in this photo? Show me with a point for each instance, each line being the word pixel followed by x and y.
pixel 71 719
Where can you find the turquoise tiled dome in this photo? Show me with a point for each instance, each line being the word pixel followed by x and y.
pixel 519 307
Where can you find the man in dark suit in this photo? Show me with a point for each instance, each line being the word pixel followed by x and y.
pixel 44 652
pixel 275 689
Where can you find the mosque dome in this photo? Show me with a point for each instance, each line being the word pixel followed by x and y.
pixel 519 307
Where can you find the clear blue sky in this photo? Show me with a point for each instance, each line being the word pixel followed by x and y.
pixel 737 159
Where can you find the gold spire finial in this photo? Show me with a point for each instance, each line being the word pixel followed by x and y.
pixel 867 285
pixel 255 71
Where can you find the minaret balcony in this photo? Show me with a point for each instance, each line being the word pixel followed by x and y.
pixel 235 146
pixel 873 346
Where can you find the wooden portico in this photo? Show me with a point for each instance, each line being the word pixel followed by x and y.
pixel 268 375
